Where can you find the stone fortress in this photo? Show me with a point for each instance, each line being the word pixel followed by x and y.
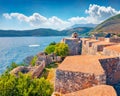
pixel 92 70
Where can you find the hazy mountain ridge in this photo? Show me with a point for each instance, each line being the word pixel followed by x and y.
pixel 84 25
pixel 44 32
pixel 111 25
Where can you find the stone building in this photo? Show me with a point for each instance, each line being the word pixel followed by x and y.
pixel 99 46
pixel 80 72
pixel 95 47
pixel 74 43
pixel 112 50
pixel 74 35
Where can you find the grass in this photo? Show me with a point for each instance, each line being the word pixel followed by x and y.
pixel 49 72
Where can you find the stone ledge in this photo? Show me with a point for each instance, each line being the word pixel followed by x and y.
pixel 100 90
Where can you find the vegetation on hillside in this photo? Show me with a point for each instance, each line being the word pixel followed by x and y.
pixel 14 65
pixel 49 72
pixel 44 32
pixel 110 25
pixel 33 61
pixel 60 49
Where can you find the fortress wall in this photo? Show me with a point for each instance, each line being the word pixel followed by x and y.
pixel 112 69
pixel 115 40
pixel 68 81
pixel 74 45
pixel 109 52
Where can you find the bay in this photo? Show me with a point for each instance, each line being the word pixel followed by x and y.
pixel 16 49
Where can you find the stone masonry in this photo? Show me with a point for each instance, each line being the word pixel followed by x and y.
pixel 112 50
pixel 80 72
pixel 74 45
pixel 112 69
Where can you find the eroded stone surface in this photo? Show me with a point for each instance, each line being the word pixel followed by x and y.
pixel 100 90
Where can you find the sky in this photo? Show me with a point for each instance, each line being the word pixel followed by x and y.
pixel 55 14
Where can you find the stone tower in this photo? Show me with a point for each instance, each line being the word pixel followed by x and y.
pixel 74 35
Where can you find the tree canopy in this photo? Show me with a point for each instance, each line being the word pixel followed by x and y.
pixel 24 85
pixel 60 49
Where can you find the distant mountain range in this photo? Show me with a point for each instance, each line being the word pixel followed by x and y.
pixel 84 25
pixel 111 25
pixel 44 32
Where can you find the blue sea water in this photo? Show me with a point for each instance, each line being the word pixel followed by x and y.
pixel 16 49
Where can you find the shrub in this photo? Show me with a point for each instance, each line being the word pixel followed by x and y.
pixel 52 43
pixel 33 61
pixel 13 65
pixel 60 49
pixel 50 49
pixel 24 85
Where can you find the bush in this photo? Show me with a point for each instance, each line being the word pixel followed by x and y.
pixel 50 49
pixel 33 61
pixel 13 65
pixel 24 85
pixel 53 43
pixel 59 49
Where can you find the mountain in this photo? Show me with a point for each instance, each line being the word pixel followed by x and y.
pixel 43 32
pixel 111 25
pixel 79 30
pixel 84 25
pixel 35 32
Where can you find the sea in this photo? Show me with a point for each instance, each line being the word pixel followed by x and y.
pixel 16 49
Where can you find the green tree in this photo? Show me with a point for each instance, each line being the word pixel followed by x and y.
pixel 50 49
pixel 53 43
pixel 24 85
pixel 61 49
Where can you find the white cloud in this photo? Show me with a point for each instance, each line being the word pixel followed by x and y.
pixel 38 20
pixel 101 12
pixel 96 14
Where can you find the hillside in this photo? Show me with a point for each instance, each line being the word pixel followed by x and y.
pixel 79 30
pixel 84 25
pixel 43 32
pixel 111 25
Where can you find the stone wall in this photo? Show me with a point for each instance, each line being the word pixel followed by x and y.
pixel 110 52
pixel 116 40
pixel 67 81
pixel 74 45
pixel 48 59
pixel 112 69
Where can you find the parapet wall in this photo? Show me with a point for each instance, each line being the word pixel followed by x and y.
pixel 115 40
pixel 68 81
pixel 74 45
pixel 112 69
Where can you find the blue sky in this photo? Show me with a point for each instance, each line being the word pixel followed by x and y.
pixel 55 14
